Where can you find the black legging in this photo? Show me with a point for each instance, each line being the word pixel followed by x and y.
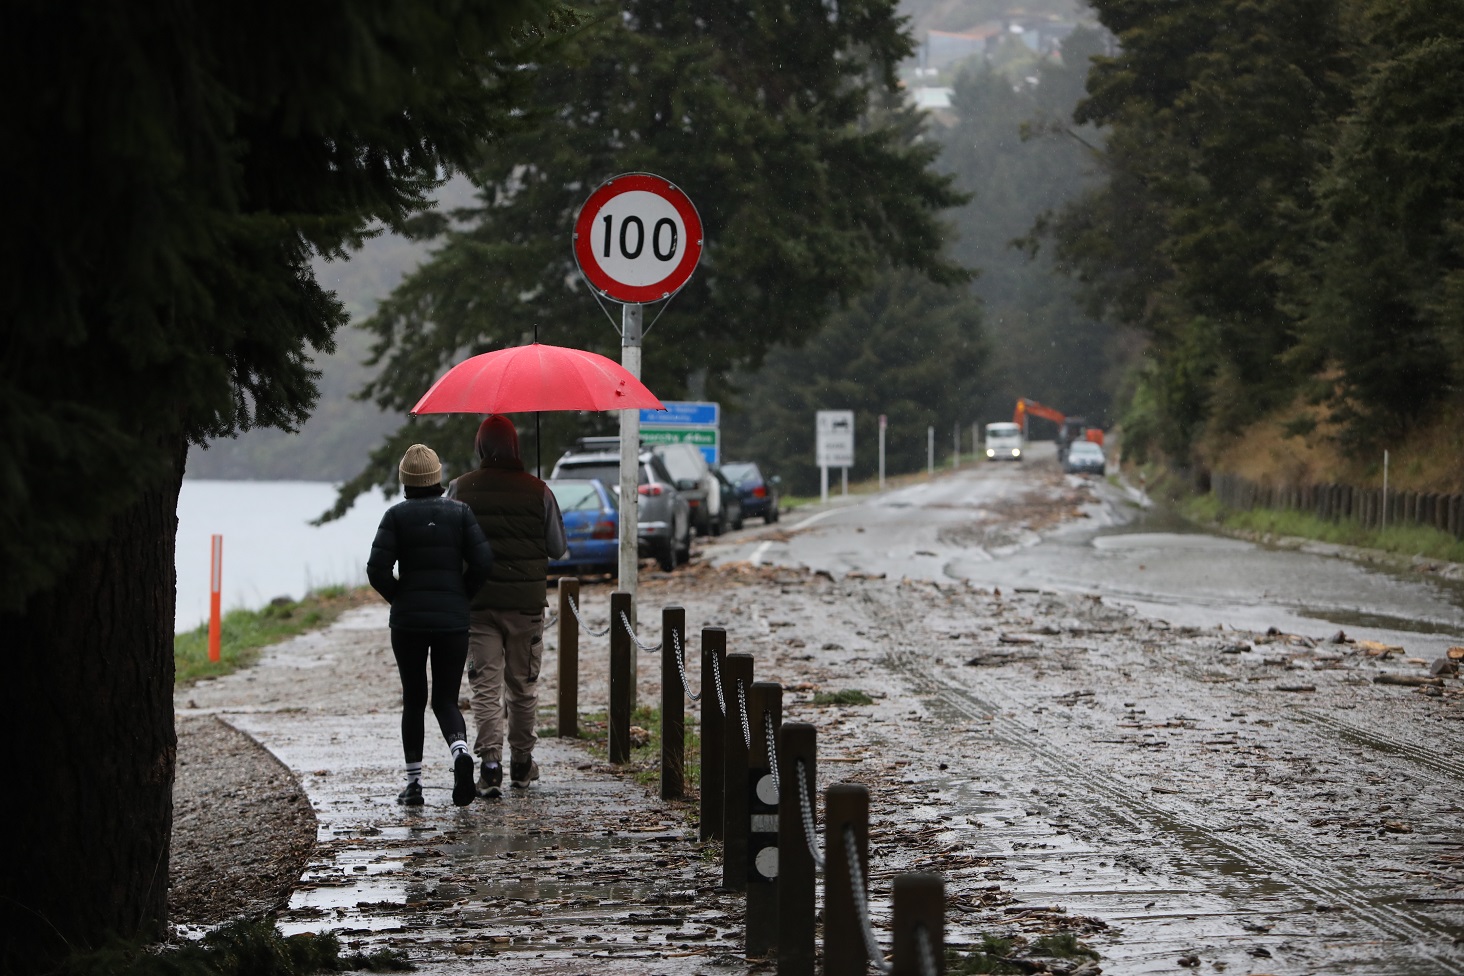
pixel 448 652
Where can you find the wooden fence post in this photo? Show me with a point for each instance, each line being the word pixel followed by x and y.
pixel 713 730
pixel 566 722
pixel 846 805
pixel 797 755
pixel 765 717
pixel 673 703
pixel 919 904
pixel 622 677
pixel 737 675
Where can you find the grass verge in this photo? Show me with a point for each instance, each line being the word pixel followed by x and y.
pixel 645 750
pixel 243 633
pixel 1403 540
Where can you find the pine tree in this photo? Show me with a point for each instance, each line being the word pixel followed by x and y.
pixel 175 166
pixel 1387 315
pixel 909 349
pixel 781 121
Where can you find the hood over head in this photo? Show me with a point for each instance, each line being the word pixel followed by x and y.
pixel 497 442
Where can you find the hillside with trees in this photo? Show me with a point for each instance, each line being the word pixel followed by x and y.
pixel 1280 220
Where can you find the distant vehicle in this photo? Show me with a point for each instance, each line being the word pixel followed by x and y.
pixel 759 494
pixel 693 478
pixel 662 513
pixel 591 526
pixel 729 517
pixel 1084 457
pixel 1003 442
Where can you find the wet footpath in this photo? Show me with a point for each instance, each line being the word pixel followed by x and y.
pixel 584 872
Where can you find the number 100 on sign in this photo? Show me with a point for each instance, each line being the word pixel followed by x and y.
pixel 638 238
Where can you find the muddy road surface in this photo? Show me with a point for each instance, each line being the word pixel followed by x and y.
pixel 1224 797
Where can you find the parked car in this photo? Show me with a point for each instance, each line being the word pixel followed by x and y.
pixel 1084 457
pixel 591 526
pixel 693 478
pixel 729 518
pixel 758 494
pixel 664 517
pixel 1003 442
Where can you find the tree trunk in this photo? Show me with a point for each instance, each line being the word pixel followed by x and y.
pixel 87 706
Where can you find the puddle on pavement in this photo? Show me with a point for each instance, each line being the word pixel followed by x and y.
pixel 1379 621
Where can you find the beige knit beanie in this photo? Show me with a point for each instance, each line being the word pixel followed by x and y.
pixel 420 467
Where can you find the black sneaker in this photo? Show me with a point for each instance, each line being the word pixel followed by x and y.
pixel 521 774
pixel 463 791
pixel 411 796
pixel 490 780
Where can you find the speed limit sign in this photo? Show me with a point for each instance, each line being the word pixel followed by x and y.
pixel 637 238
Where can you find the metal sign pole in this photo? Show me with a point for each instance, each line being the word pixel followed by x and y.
pixel 630 358
pixel 883 423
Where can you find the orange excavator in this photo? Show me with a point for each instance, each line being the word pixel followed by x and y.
pixel 1069 429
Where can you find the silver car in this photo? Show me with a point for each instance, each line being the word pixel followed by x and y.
pixel 662 512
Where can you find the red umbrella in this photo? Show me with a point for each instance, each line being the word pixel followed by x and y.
pixel 536 377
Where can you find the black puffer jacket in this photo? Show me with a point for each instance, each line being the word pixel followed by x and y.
pixel 442 558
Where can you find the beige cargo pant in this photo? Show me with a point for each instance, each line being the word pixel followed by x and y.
pixel 505 648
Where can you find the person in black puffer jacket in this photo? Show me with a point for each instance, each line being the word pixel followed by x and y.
pixel 442 557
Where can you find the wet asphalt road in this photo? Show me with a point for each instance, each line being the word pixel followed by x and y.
pixel 1210 793
pixel 1129 553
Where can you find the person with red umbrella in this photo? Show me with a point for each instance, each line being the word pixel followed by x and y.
pixel 428 558
pixel 520 517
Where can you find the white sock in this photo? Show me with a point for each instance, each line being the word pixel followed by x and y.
pixel 458 748
pixel 414 772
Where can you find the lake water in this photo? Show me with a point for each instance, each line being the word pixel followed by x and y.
pixel 270 547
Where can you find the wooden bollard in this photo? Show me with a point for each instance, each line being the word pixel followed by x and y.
pixel 673 703
pixel 713 728
pixel 919 903
pixel 566 723
pixel 622 678
pixel 764 712
pixel 846 806
pixel 736 673
pixel 797 744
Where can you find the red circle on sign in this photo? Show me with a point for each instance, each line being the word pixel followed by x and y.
pixel 603 278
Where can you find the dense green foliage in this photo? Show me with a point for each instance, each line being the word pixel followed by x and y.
pixel 1280 212
pixel 782 123
pixel 181 167
pixel 909 349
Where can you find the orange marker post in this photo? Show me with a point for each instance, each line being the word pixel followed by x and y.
pixel 215 587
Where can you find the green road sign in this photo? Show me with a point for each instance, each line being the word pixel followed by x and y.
pixel 700 436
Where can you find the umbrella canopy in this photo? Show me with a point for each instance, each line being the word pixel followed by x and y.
pixel 536 377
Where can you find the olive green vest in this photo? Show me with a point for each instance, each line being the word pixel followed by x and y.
pixel 509 504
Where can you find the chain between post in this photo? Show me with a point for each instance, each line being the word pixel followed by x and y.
pixel 742 709
pixel 584 626
pixel 807 805
pixel 648 648
pixel 772 752
pixel 681 666
pixel 927 954
pixel 717 683
pixel 861 905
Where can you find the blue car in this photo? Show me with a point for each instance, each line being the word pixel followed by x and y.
pixel 591 526
pixel 759 494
